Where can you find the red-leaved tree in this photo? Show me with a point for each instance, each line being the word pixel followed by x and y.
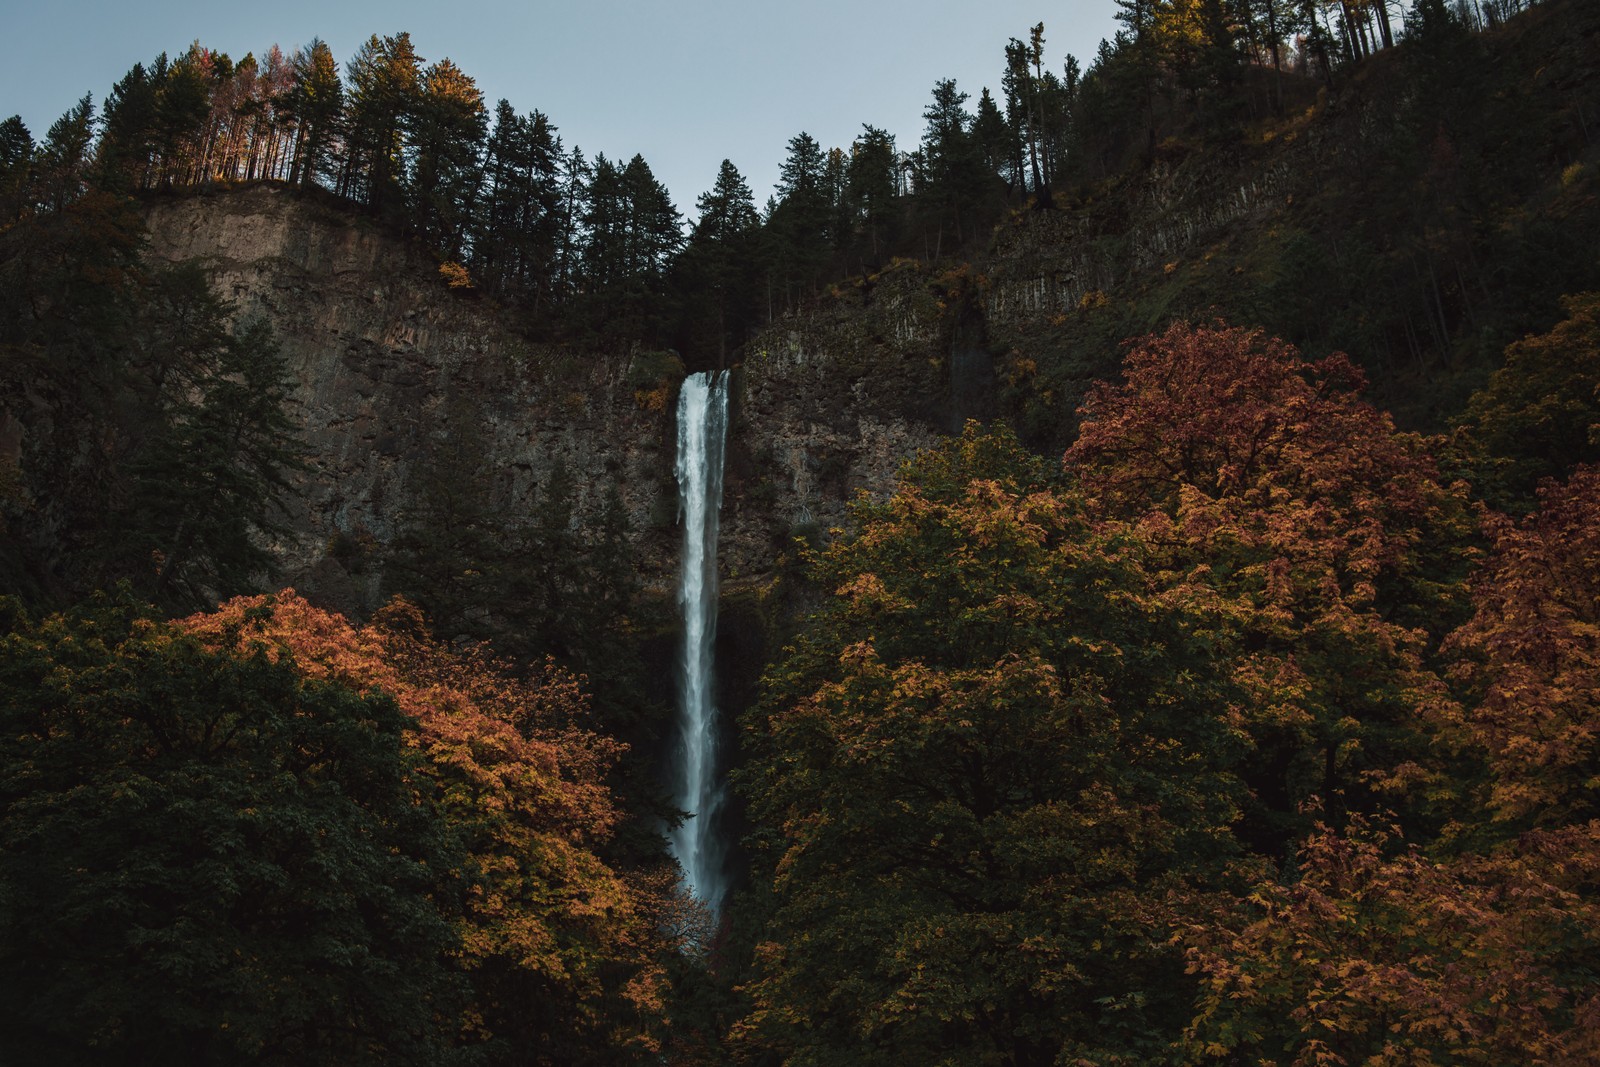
pixel 1266 479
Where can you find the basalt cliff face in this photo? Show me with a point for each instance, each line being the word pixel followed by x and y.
pixel 390 364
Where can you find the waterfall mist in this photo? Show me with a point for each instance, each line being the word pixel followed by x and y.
pixel 698 789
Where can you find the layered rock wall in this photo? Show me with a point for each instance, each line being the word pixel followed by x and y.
pixel 390 363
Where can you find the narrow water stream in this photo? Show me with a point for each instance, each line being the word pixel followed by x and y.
pixel 698 786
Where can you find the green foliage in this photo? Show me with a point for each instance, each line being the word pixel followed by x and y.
pixel 16 159
pixel 1008 782
pixel 181 446
pixel 562 954
pixel 531 584
pixel 994 764
pixel 1480 948
pixel 210 468
pixel 446 135
pixel 1540 412
pixel 267 836
pixel 207 858
pixel 717 274
pixel 1331 538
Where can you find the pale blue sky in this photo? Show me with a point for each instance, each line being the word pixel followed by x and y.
pixel 686 84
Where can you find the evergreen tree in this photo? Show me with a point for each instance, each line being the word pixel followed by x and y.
pixel 997 142
pixel 16 169
pixel 183 102
pixel 799 224
pixel 212 454
pixel 573 174
pixel 950 177
pixel 317 99
pixel 1024 109
pixel 61 170
pixel 384 84
pixel 633 231
pixel 717 271
pixel 870 195
pixel 127 139
pixel 447 128
pixel 206 858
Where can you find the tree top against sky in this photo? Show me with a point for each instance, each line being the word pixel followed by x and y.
pixel 686 85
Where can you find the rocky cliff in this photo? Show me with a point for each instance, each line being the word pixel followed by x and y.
pixel 390 363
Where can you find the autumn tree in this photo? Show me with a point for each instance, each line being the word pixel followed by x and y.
pixel 994 766
pixel 1265 477
pixel 562 954
pixel 208 857
pixel 1529 664
pixel 1476 946
pixel 1374 952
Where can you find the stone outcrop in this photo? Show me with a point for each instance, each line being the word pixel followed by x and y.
pixel 390 363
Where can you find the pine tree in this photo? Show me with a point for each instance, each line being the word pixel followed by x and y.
pixel 799 225
pixel 717 271
pixel 214 452
pixel 950 177
pixel 16 169
pixel 127 139
pixel 444 178
pixel 870 194
pixel 62 167
pixel 384 85
pixel 317 98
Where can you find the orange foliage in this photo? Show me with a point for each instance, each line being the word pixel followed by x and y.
pixel 1482 952
pixel 1239 439
pixel 1385 958
pixel 1531 660
pixel 511 765
pixel 1329 535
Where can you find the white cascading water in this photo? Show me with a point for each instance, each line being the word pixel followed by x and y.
pixel 702 428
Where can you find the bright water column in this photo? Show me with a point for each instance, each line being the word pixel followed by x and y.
pixel 702 427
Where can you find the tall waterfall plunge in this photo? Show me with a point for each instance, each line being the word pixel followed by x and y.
pixel 702 427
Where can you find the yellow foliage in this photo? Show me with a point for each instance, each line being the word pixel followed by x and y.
pixel 651 399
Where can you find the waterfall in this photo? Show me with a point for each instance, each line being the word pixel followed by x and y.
pixel 702 426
